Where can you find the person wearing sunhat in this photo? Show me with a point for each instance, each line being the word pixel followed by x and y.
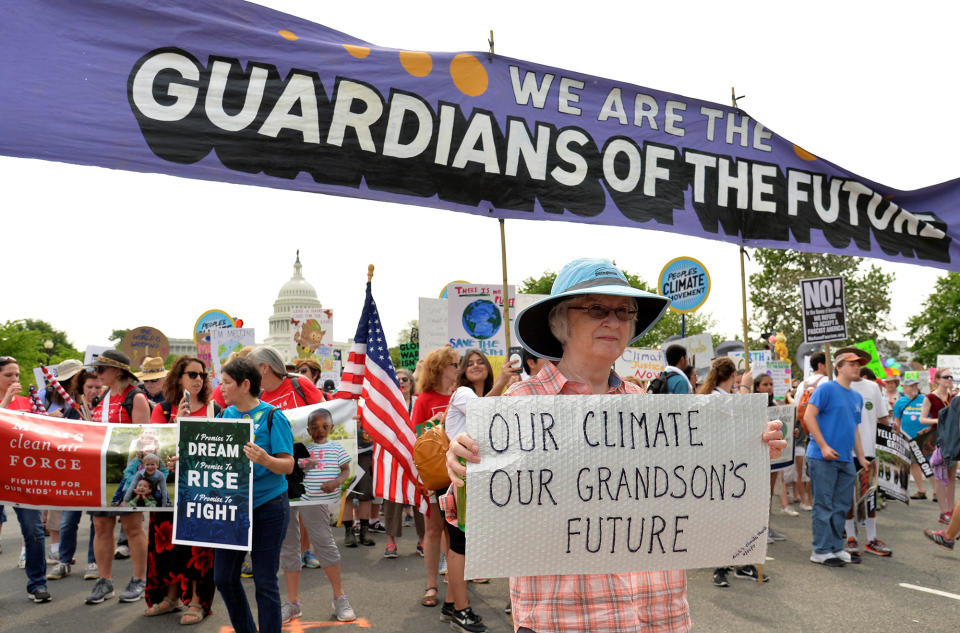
pixel 832 417
pixel 590 317
pixel 122 403
pixel 152 372
pixel 65 372
pixel 906 419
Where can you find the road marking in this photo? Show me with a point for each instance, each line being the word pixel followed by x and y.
pixel 298 625
pixel 935 592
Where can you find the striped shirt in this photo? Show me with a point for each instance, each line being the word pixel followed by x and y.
pixel 330 456
pixel 654 602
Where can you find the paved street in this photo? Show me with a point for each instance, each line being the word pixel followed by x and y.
pixel 385 593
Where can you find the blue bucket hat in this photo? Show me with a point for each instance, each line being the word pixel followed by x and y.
pixel 587 276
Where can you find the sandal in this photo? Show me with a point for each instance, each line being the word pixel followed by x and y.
pixel 430 599
pixel 164 606
pixel 194 615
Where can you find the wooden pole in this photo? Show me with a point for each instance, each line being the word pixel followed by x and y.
pixel 743 277
pixel 506 297
pixel 828 359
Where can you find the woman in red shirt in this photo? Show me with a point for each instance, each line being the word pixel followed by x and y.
pixel 122 403
pixel 10 387
pixel 438 377
pixel 938 399
pixel 178 572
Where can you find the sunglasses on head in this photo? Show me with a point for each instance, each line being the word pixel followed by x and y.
pixel 600 312
pixel 193 375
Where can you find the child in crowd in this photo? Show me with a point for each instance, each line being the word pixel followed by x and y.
pixel 143 495
pixel 324 473
pixel 151 472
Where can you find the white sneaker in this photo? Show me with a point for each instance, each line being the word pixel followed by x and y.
pixel 806 508
pixel 842 555
pixel 789 511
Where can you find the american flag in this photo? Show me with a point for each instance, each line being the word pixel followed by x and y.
pixel 369 375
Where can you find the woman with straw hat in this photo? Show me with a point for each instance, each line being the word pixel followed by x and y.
pixel 122 403
pixel 590 317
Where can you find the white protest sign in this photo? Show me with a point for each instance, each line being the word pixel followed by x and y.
pixel 475 317
pixel 643 363
pixel 92 352
pixel 824 312
pixel 432 325
pixel 757 356
pixel 225 341
pixel 616 483
pixel 699 348
pixel 786 414
pixel 779 371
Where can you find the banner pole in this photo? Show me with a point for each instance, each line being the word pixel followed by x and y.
pixel 743 274
pixel 506 297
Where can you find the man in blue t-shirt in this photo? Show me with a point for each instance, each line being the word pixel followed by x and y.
pixel 832 416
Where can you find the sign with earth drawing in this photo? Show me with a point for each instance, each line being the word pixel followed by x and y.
pixel 475 317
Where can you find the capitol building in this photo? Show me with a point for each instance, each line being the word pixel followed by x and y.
pixel 297 292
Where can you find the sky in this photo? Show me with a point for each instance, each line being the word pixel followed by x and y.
pixel 91 249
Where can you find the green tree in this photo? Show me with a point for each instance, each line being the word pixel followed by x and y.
pixel 24 340
pixel 116 337
pixel 669 325
pixel 775 294
pixel 936 329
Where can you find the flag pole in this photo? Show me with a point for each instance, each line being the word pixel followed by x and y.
pixel 743 274
pixel 369 273
pixel 743 299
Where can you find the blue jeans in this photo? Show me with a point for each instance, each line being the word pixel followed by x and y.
pixel 31 526
pixel 69 524
pixel 832 483
pixel 269 528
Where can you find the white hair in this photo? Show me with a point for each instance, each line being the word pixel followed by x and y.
pixel 264 354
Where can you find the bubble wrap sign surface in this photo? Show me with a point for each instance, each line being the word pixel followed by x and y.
pixel 616 483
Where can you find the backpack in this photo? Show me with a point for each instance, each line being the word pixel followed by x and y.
pixel 803 402
pixel 659 384
pixel 295 487
pixel 430 457
pixel 948 430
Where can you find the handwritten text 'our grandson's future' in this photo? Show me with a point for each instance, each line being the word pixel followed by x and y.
pixel 600 431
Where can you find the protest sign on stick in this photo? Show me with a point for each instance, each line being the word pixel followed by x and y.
pixel 616 484
pixel 824 310
pixel 214 484
pixel 893 455
pixel 644 364
pixel 786 414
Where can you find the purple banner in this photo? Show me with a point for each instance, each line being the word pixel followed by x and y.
pixel 235 92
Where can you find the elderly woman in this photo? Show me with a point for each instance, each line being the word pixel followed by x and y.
pixel 593 314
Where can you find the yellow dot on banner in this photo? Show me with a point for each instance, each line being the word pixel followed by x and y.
pixel 360 52
pixel 469 75
pixel 288 35
pixel 802 153
pixel 417 64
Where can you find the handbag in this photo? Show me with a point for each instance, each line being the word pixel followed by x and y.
pixel 430 456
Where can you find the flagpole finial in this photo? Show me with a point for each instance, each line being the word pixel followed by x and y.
pixel 369 273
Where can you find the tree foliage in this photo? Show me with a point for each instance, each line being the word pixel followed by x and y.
pixel 24 341
pixel 775 294
pixel 116 337
pixel 936 329
pixel 669 325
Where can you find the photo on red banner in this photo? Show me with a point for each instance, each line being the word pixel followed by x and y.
pixel 135 452
pixel 50 461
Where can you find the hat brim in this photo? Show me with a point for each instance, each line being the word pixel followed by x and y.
pixel 152 375
pixel 864 357
pixel 67 375
pixel 533 331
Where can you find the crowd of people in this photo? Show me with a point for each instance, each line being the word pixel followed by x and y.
pixel 571 339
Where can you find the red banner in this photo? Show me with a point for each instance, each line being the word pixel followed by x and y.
pixel 51 462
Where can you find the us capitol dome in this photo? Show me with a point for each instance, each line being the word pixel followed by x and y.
pixel 296 293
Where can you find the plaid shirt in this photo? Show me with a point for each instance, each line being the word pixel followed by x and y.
pixel 653 601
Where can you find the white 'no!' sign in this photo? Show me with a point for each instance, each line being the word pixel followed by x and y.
pixel 605 484
pixel 824 310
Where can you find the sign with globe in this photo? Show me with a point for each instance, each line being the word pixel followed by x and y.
pixel 481 319
pixel 475 317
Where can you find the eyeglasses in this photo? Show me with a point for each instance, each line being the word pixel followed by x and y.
pixel 946 377
pixel 151 381
pixel 303 370
pixel 193 375
pixel 600 312
pixel 403 379
pixel 454 364
pixel 100 369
